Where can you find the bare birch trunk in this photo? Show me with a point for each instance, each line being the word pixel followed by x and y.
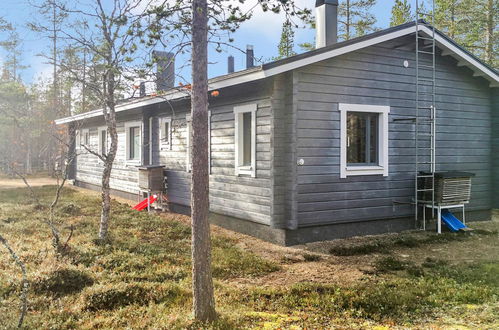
pixel 110 117
pixel 204 302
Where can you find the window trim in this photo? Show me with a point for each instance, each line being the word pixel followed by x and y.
pixel 163 133
pixel 129 125
pixel 238 140
pixel 99 132
pixel 382 167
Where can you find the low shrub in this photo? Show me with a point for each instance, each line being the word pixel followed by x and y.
pixel 71 209
pixel 311 257
pixel 360 249
pixel 62 282
pixel 390 263
pixel 124 294
pixel 230 261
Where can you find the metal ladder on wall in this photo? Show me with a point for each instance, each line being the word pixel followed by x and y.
pixel 425 120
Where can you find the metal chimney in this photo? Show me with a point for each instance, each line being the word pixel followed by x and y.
pixel 230 64
pixel 165 70
pixel 326 22
pixel 142 89
pixel 249 57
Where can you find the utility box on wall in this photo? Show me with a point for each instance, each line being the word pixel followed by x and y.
pixel 151 178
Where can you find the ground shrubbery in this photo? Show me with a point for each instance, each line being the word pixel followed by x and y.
pixel 62 282
pixel 141 278
pixel 124 294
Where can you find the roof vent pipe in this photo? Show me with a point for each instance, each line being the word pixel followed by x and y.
pixel 326 22
pixel 249 56
pixel 230 64
pixel 142 89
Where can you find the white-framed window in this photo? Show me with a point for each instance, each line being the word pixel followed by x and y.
pixel 85 137
pixel 133 132
pixel 363 139
pixel 245 139
pixel 103 140
pixel 188 144
pixel 165 133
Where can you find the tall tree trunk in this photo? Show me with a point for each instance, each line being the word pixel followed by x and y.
pixel 347 37
pixel 489 34
pixel 204 302
pixel 110 117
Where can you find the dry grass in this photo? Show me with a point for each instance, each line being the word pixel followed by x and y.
pixel 142 279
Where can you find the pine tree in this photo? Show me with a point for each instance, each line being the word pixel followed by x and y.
pixel 401 13
pixel 355 19
pixel 286 44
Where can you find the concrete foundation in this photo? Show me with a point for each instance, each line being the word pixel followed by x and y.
pixel 303 235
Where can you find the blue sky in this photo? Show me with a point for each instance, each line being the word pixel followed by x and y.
pixel 263 31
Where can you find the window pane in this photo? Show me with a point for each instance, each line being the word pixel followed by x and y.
pixel 103 141
pixel 247 139
pixel 166 138
pixel 362 138
pixel 134 142
pixel 356 138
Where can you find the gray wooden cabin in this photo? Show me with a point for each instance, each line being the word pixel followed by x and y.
pixel 288 181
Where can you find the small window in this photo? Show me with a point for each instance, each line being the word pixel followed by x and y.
pixel 364 139
pixel 133 141
pixel 103 140
pixel 245 140
pixel 166 133
pixel 85 137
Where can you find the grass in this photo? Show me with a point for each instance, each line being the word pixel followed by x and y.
pixel 142 277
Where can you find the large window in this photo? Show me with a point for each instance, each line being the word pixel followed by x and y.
pixel 364 139
pixel 133 141
pixel 245 140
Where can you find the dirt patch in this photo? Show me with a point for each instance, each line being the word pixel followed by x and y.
pixel 18 183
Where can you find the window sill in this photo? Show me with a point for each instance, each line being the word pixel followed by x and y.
pixel 133 162
pixel 245 171
pixel 364 170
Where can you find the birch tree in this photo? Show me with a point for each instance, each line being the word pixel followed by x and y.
pixel 106 30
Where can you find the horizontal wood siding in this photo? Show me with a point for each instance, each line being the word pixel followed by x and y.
pixel 495 147
pixel 124 175
pixel 242 197
pixel 376 76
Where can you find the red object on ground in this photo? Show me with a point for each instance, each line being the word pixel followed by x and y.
pixel 142 205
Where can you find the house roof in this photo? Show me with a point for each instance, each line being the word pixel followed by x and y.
pixel 448 46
